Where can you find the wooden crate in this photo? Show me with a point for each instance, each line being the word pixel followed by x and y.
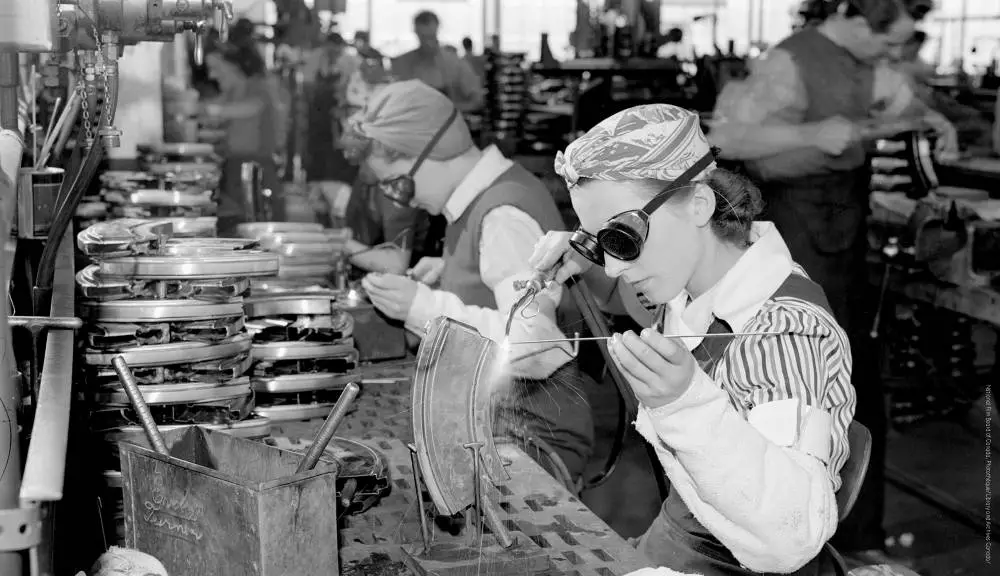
pixel 226 506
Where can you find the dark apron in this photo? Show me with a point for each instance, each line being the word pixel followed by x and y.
pixel 555 410
pixel 233 207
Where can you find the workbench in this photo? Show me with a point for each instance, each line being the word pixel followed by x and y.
pixel 981 304
pixel 536 505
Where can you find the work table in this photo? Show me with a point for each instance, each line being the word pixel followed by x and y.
pixel 536 505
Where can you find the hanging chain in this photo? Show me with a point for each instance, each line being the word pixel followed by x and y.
pixel 81 90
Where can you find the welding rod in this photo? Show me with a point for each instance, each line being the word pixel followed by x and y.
pixel 333 421
pixel 715 335
pixel 128 381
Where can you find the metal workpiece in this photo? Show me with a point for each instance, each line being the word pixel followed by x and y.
pixel 190 393
pixel 292 303
pixel 322 237
pixel 305 271
pixel 149 197
pixel 122 237
pixel 294 412
pixel 160 310
pixel 94 286
pixel 173 353
pixel 207 265
pixel 296 383
pixel 257 230
pixel 208 246
pixel 285 351
pixel 456 367
pixel 254 428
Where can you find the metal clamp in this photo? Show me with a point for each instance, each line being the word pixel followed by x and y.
pixel 20 529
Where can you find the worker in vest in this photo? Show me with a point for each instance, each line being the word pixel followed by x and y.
pixel 799 125
pixel 440 69
pixel 496 211
pixel 751 430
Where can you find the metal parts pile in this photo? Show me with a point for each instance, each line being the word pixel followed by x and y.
pixel 308 254
pixel 177 182
pixel 303 352
pixel 173 309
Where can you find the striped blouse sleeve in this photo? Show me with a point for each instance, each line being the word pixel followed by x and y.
pixel 810 361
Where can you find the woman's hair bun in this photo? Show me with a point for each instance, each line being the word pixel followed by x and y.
pixel 738 203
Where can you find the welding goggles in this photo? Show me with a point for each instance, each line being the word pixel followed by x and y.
pixel 623 236
pixel 402 189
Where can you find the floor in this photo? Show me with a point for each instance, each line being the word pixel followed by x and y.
pixel 947 455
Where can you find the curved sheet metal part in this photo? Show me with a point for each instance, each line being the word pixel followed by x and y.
pixel 274 351
pixel 190 393
pixel 267 286
pixel 253 427
pixel 294 412
pixel 92 286
pixel 122 236
pixel 203 266
pixel 185 149
pixel 291 303
pixel 175 198
pixel 295 383
pixel 196 227
pixel 323 237
pixel 451 409
pixel 259 229
pixel 199 246
pixel 173 353
pixel 160 310
pixel 314 251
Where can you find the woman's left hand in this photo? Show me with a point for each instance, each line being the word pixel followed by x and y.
pixel 658 368
pixel 392 294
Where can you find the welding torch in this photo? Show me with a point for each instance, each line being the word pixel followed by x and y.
pixel 532 288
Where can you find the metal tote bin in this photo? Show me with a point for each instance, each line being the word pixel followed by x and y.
pixel 225 506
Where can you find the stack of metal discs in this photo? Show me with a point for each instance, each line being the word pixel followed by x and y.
pixel 506 97
pixel 187 200
pixel 173 309
pixel 303 352
pixel 308 254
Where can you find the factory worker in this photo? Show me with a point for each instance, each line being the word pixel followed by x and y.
pixel 750 430
pixel 421 151
pixel 251 109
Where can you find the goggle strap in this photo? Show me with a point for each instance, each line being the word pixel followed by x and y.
pixel 681 181
pixel 434 141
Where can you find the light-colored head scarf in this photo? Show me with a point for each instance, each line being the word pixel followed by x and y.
pixel 654 141
pixel 405 116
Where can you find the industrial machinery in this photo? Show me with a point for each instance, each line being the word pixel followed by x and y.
pixel 37 205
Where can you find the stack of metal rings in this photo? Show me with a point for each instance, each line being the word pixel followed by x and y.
pixel 303 352
pixel 308 254
pixel 185 199
pixel 173 309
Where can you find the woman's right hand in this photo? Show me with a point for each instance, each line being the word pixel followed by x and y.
pixel 553 249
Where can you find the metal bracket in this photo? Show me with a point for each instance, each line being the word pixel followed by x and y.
pixel 20 529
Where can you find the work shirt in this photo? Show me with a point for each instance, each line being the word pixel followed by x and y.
pixel 443 71
pixel 507 242
pixel 755 445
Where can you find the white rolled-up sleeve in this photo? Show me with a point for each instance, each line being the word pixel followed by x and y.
pixel 507 241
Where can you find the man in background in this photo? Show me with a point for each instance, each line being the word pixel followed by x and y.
pixel 799 125
pixel 438 68
pixel 475 61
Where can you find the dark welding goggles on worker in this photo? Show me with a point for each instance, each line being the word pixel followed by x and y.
pixel 623 236
pixel 402 189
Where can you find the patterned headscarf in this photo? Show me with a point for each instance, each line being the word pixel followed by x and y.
pixel 653 141
pixel 405 116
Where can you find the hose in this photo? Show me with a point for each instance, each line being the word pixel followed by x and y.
pixel 71 193
pixel 629 404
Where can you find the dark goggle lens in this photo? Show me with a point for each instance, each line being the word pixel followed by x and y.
pixel 400 190
pixel 586 245
pixel 621 243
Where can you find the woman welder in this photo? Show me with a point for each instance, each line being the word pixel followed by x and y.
pixel 496 212
pixel 751 430
pixel 250 108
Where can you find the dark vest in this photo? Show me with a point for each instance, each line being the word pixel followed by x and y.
pixel 836 84
pixel 676 539
pixel 823 212
pixel 516 187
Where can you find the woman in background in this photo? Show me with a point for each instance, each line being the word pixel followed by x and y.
pixel 250 109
